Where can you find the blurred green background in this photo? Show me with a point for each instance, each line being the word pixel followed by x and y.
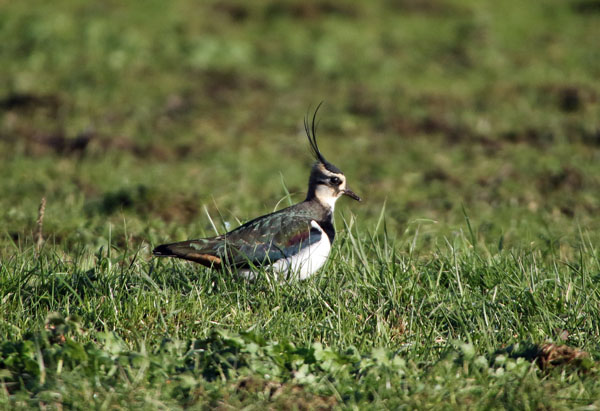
pixel 132 118
pixel 470 128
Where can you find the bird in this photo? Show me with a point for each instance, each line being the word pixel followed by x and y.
pixel 293 242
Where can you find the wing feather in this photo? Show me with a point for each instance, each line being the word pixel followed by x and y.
pixel 256 243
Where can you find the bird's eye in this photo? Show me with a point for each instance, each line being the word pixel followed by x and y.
pixel 335 181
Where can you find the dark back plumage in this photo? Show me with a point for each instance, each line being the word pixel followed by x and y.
pixel 258 242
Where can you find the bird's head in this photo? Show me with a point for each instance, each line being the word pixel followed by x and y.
pixel 327 183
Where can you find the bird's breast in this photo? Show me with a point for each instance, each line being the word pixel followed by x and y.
pixel 301 265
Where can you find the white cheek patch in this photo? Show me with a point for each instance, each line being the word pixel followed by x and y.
pixel 327 196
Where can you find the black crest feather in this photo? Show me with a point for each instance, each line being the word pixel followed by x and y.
pixel 311 133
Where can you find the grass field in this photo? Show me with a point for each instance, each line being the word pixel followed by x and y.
pixel 468 278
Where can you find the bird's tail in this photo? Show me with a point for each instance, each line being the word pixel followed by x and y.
pixel 187 251
pixel 167 250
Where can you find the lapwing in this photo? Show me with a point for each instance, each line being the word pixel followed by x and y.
pixel 292 243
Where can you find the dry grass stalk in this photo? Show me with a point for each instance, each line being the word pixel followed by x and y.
pixel 39 237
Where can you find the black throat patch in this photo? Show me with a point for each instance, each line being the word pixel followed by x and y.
pixel 327 225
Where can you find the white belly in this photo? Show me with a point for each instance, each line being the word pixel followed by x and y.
pixel 302 265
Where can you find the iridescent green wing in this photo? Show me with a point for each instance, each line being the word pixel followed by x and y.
pixel 254 244
pixel 268 239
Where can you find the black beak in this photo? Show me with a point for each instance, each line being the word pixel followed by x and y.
pixel 351 194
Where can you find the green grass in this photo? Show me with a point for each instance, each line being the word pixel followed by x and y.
pixel 471 130
pixel 398 329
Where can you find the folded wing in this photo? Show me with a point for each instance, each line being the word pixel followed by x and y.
pixel 257 243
